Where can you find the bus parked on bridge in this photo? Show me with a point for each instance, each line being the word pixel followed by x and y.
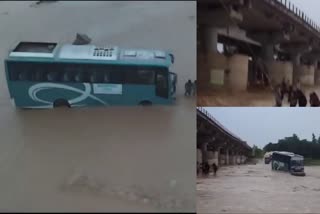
pixel 46 75
pixel 288 162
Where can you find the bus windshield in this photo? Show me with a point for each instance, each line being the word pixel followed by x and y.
pixel 296 163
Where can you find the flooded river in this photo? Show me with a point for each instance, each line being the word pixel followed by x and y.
pixel 100 159
pixel 258 189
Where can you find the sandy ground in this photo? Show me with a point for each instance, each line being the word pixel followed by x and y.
pixel 258 98
pixel 258 189
pixel 100 159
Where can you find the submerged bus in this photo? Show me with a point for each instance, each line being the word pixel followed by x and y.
pixel 47 75
pixel 289 162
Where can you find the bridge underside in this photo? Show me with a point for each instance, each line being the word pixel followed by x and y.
pixel 242 43
pixel 215 145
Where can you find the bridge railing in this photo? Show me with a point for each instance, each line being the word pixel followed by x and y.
pixel 296 11
pixel 210 117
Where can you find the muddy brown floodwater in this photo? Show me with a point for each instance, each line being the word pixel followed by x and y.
pixel 127 159
pixel 258 189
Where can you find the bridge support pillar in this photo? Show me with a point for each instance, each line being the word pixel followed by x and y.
pixel 211 37
pixel 216 157
pixel 296 62
pixel 268 52
pixel 234 159
pixel 316 73
pixel 199 156
pixel 222 157
pixel 242 160
pixel 204 152
pixel 227 157
pixel 238 159
pixel 231 161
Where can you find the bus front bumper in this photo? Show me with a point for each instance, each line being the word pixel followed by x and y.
pixel 298 173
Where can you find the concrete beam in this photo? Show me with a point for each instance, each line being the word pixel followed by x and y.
pixel 296 48
pixel 204 152
pixel 219 17
pixel 227 157
pixel 274 38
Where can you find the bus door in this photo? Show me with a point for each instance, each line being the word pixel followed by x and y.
pixel 162 87
pixel 173 83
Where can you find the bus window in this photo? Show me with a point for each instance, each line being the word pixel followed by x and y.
pixel 72 72
pixel 146 76
pixel 14 71
pixel 24 76
pixel 139 76
pixel 162 84
pixel 96 77
pixel 79 77
pixel 37 76
pixel 67 77
pixel 82 77
pixel 53 76
pixel 19 71
pixel 116 76
pixel 106 77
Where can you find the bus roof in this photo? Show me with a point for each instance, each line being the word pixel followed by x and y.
pixel 288 154
pixel 54 52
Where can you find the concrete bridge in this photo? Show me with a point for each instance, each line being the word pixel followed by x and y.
pixel 239 41
pixel 216 144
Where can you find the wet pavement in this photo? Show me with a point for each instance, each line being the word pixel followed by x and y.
pixel 258 189
pixel 100 159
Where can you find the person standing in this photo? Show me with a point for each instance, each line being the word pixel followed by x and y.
pixel 205 168
pixel 188 88
pixel 215 169
pixel 278 96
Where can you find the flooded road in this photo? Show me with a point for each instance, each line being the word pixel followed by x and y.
pixel 258 189
pixel 100 159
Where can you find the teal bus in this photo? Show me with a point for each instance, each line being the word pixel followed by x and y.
pixel 47 75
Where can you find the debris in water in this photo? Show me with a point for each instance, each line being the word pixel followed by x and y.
pixel 82 39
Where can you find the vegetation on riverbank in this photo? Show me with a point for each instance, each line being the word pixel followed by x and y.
pixel 311 162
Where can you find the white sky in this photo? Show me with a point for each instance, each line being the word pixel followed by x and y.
pixel 310 8
pixel 260 126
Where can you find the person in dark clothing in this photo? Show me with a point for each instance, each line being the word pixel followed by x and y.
pixel 302 100
pixel 205 168
pixel 188 88
pixel 314 100
pixel 290 92
pixel 215 169
pixel 278 96
pixel 283 88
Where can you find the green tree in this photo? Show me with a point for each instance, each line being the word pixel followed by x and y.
pixel 314 140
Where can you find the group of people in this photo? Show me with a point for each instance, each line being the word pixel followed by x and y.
pixel 190 88
pixel 295 95
pixel 205 168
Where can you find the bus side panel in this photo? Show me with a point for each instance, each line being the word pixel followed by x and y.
pixel 132 95
pixel 7 78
